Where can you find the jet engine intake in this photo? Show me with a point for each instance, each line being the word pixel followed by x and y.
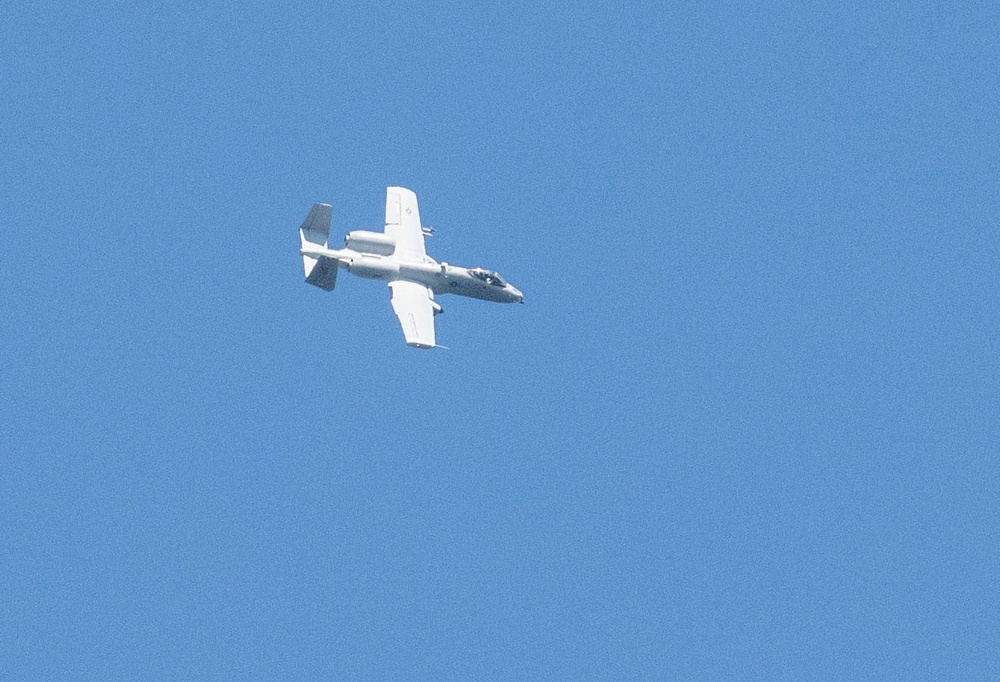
pixel 364 241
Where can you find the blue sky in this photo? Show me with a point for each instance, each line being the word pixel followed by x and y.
pixel 745 425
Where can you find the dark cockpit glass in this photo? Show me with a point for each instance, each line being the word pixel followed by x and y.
pixel 489 277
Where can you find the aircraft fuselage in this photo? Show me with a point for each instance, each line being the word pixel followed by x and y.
pixel 441 278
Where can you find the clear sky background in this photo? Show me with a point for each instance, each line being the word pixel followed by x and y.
pixel 745 425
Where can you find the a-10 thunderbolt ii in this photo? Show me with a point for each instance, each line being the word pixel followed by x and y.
pixel 397 256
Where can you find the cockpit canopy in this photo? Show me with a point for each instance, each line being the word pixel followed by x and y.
pixel 488 276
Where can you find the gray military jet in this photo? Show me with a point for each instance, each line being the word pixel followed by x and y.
pixel 397 256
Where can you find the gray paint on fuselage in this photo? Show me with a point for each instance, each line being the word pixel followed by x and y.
pixel 441 278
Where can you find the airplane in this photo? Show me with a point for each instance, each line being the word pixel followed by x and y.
pixel 397 256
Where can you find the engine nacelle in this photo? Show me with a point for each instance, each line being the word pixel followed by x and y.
pixel 364 241
pixel 374 267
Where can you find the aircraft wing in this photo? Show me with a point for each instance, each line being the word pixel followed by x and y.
pixel 402 222
pixel 415 309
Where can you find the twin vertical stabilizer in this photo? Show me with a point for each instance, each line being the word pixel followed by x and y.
pixel 315 230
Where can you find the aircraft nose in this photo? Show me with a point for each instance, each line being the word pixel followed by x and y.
pixel 518 296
